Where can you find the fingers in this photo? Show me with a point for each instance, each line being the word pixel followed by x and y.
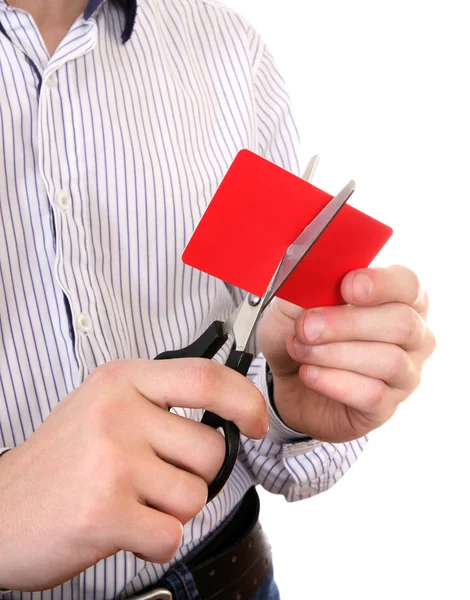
pixel 149 534
pixel 192 383
pixel 275 327
pixel 286 309
pixel 371 287
pixel 366 395
pixel 184 443
pixel 387 362
pixel 391 323
pixel 168 489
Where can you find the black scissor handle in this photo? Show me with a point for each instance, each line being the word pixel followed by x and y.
pixel 232 443
pixel 240 362
pixel 206 346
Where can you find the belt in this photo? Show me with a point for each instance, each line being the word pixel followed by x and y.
pixel 233 566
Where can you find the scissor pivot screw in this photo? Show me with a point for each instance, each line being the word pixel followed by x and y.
pixel 253 300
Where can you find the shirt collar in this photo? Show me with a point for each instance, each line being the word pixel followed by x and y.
pixel 130 10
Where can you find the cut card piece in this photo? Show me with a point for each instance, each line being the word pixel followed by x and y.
pixel 257 212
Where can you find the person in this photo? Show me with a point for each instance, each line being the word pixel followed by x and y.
pixel 117 123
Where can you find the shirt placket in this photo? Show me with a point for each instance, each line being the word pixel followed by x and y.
pixel 58 165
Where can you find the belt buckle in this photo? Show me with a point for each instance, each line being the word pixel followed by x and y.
pixel 158 594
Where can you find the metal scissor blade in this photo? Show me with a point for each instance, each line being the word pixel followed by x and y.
pixel 227 326
pixel 300 247
pixel 311 168
pixel 243 320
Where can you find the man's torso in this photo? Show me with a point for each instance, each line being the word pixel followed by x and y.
pixel 105 170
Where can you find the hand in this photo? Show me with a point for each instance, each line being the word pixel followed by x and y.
pixel 111 469
pixel 341 371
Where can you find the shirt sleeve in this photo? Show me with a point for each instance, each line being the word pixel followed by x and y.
pixel 285 462
pixel 288 463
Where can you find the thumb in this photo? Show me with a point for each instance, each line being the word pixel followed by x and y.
pixel 276 326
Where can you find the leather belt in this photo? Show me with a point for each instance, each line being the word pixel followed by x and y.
pixel 234 565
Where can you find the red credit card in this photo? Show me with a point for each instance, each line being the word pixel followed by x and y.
pixel 257 212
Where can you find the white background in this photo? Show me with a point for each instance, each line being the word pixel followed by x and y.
pixel 381 92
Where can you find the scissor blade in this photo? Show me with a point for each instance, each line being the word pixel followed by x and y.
pixel 227 327
pixel 301 246
pixel 311 168
pixel 245 321
pixel 244 318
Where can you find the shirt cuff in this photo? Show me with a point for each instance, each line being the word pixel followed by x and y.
pixel 279 432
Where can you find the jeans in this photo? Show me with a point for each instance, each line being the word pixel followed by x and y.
pixel 268 590
pixel 179 578
pixel 184 588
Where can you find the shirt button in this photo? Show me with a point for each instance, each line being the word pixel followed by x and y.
pixel 63 200
pixel 51 81
pixel 84 323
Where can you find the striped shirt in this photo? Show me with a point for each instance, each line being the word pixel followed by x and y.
pixel 110 151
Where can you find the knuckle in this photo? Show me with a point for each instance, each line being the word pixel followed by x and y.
pixel 410 324
pixel 396 362
pixel 104 397
pixel 424 300
pixel 170 535
pixel 376 396
pixel 416 378
pixel 106 373
pixel 206 376
pixel 101 405
pixel 190 495
pixel 106 402
pixel 253 407
pixel 198 496
pixel 414 285
pixel 97 381
pixel 355 318
pixel 258 404
pixel 106 414
pixel 431 342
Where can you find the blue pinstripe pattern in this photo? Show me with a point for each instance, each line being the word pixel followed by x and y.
pixel 105 170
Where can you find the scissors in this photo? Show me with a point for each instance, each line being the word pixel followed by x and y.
pixel 242 323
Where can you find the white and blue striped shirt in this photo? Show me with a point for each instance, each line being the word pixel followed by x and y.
pixel 109 154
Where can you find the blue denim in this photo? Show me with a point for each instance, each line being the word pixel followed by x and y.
pixel 269 589
pixel 183 587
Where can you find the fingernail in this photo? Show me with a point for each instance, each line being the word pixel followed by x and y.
pixel 312 373
pixel 313 326
pixel 362 287
pixel 300 350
